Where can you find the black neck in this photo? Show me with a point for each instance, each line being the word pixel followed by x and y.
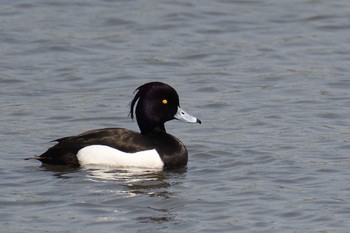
pixel 147 128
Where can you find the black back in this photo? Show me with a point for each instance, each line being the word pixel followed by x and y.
pixel 171 150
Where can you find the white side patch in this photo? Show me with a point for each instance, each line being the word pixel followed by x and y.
pixel 111 157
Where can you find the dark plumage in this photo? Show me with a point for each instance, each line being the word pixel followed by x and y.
pixel 154 104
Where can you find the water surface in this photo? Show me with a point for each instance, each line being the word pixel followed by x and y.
pixel 268 79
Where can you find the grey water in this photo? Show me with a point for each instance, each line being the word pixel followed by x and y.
pixel 269 80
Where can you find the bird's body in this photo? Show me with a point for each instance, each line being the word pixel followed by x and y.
pixel 155 103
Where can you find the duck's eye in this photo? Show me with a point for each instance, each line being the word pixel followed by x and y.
pixel 165 101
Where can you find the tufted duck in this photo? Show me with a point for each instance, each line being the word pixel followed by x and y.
pixel 154 104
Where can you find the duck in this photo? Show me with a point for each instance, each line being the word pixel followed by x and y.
pixel 154 104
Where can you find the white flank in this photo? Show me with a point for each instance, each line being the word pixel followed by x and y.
pixel 111 157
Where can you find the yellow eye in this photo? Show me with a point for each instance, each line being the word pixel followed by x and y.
pixel 164 101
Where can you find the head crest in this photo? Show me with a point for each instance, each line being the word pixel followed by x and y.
pixel 141 91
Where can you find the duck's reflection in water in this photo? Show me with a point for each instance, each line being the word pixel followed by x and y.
pixel 144 194
pixel 137 181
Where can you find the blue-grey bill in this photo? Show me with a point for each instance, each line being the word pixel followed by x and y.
pixel 184 116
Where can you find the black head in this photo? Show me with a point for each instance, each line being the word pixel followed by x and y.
pixel 157 103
